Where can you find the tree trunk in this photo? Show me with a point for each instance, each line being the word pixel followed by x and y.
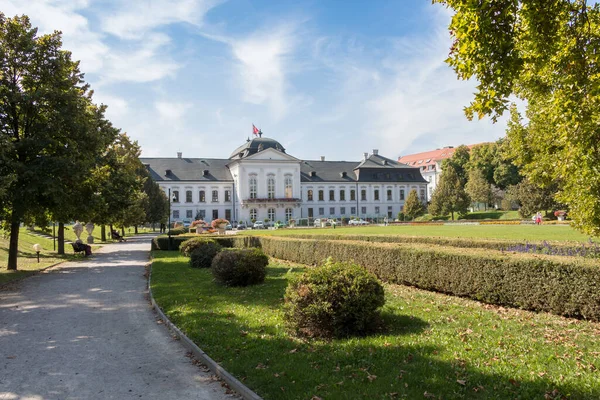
pixel 452 215
pixel 123 231
pixel 136 231
pixel 13 248
pixel 61 238
pixel 103 233
pixel 110 229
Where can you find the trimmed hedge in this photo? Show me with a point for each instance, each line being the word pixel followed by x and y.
pixel 203 254
pixel 240 267
pixel 334 300
pixel 567 287
pixel 469 243
pixel 186 248
pixel 162 242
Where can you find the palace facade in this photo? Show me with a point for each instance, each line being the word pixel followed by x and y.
pixel 261 181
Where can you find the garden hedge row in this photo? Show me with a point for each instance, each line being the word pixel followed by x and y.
pixel 561 286
pixel 469 243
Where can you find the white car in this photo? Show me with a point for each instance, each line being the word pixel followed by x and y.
pixel 258 225
pixel 357 222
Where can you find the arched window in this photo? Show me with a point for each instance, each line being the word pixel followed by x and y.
pixel 271 214
pixel 309 195
pixel 288 214
pixel 288 187
pixel 253 186
pixel 253 214
pixel 271 186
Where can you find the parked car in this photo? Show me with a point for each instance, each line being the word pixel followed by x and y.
pixel 241 226
pixel 228 227
pixel 357 222
pixel 259 225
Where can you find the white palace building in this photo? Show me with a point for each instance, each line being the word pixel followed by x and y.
pixel 260 180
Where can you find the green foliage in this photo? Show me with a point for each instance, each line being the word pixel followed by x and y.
pixel 546 53
pixel 478 188
pixel 459 162
pixel 543 283
pixel 240 267
pixel 333 300
pixel 413 207
pixel 190 245
pixel 179 231
pixel 203 253
pixel 449 196
pixel 533 198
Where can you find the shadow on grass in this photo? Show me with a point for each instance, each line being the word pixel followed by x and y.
pixel 241 328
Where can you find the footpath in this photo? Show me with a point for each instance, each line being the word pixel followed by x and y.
pixel 85 330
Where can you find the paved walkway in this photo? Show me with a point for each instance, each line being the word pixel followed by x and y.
pixel 86 331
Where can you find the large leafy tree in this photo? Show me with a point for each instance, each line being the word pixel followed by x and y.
pixel 449 196
pixel 459 162
pixel 533 198
pixel 43 99
pixel 413 206
pixel 547 53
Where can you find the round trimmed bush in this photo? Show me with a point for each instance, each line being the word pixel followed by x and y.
pixel 334 300
pixel 240 267
pixel 203 253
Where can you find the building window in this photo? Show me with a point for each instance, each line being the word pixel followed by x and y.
pixel 321 211
pixel 202 196
pixel 271 187
pixel 201 214
pixel 342 195
pixel 377 210
pixel 376 194
pixel 253 187
pixel 271 214
pixel 332 195
pixel 288 214
pixel 175 196
pixel 310 212
pixel 188 196
pixel 215 196
pixel 401 194
pixel 228 214
pixel 389 212
pixel 389 195
pixel 352 195
pixel 352 210
pixel 227 196
pixel 331 210
pixel 215 214
pixel 343 210
pixel 363 210
pixel 188 213
pixel 422 194
pixel 363 195
pixel 309 194
pixel 253 214
pixel 288 189
pixel 175 214
pixel 321 195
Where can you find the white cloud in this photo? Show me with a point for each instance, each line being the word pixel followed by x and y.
pixel 132 19
pixel 171 112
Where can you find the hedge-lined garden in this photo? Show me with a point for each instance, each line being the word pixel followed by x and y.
pixel 566 286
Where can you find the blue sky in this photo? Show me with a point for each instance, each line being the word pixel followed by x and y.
pixel 325 78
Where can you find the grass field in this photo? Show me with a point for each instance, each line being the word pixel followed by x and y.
pixel 509 232
pixel 27 258
pixel 433 346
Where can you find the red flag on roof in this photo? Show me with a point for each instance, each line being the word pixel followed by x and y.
pixel 255 130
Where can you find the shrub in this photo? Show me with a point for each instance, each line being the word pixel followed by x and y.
pixel 240 267
pixel 178 231
pixel 203 253
pixel 334 300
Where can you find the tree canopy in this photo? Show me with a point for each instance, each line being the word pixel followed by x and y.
pixel 449 196
pixel 546 52
pixel 413 207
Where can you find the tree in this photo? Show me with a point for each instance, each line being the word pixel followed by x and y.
pixel 42 98
pixel 478 188
pixel 157 206
pixel 413 207
pixel 449 195
pixel 459 162
pixel 544 52
pixel 533 198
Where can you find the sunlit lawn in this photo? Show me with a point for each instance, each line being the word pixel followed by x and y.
pixel 27 258
pixel 510 232
pixel 434 346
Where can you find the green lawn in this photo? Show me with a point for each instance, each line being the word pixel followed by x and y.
pixel 434 346
pixel 533 233
pixel 27 258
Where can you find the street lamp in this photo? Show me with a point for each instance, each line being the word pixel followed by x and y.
pixel 37 248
